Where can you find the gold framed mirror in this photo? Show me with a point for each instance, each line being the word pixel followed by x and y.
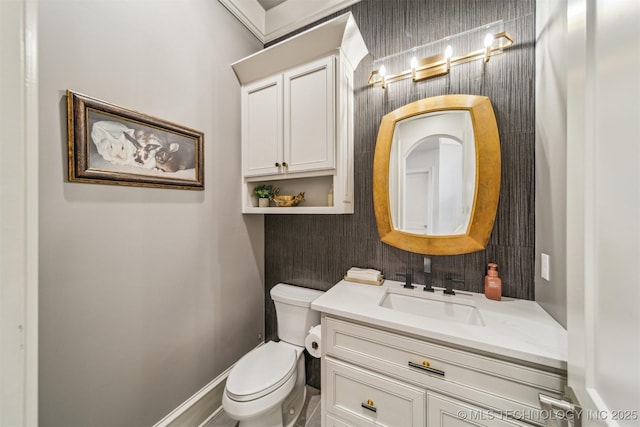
pixel 436 175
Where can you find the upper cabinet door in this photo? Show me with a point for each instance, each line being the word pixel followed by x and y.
pixel 309 116
pixel 262 127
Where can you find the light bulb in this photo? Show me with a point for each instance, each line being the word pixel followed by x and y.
pixel 383 72
pixel 448 52
pixel 488 40
pixel 413 64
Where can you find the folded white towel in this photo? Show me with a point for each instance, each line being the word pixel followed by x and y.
pixel 364 274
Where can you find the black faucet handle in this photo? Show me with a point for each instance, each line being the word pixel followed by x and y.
pixel 407 280
pixel 449 285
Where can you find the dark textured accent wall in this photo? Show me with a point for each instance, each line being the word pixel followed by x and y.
pixel 316 250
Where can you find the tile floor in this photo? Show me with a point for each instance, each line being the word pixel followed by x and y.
pixel 310 416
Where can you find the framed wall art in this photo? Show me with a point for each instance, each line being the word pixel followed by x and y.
pixel 109 144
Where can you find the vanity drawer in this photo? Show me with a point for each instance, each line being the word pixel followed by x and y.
pixel 365 398
pixel 446 412
pixel 490 382
pixel 333 421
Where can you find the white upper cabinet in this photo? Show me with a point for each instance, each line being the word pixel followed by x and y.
pixel 288 121
pixel 297 118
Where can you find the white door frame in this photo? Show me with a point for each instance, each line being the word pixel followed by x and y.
pixel 603 207
pixel 18 213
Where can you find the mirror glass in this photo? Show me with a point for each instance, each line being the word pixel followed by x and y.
pixel 432 173
pixel 436 175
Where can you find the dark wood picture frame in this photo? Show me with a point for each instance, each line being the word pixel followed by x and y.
pixel 108 144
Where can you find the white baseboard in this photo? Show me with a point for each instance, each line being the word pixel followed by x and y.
pixel 199 408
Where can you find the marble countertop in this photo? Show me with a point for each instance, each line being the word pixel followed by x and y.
pixel 513 328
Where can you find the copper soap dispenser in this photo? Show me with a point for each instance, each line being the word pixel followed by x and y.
pixel 493 283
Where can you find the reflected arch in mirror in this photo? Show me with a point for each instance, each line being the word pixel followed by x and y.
pixel 431 185
pixel 436 175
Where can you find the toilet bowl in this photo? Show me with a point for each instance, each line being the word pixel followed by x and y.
pixel 261 381
pixel 266 387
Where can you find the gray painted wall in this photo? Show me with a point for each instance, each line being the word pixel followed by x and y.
pixel 551 155
pixel 146 294
pixel 315 251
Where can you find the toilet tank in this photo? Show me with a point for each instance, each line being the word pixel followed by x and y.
pixel 293 311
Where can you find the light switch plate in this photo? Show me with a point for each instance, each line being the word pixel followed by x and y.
pixel 544 267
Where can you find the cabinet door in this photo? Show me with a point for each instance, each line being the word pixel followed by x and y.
pixel 309 117
pixel 443 411
pixel 262 127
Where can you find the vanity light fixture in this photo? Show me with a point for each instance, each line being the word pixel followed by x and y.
pixel 440 64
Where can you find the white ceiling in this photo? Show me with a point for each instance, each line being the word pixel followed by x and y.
pixel 270 19
pixel 268 4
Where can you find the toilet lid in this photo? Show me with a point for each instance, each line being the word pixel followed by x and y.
pixel 261 371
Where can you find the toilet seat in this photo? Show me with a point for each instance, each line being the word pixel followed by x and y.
pixel 261 371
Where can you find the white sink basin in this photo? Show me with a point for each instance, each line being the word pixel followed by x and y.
pixel 433 306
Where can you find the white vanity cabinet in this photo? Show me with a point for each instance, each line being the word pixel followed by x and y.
pixel 297 118
pixel 417 382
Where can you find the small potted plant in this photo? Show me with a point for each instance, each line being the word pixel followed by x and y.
pixel 264 193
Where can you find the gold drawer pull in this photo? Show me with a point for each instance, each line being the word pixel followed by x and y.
pixel 369 405
pixel 425 367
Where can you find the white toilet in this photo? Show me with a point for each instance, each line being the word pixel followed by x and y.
pixel 266 387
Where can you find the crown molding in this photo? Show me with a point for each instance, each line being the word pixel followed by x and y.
pixel 282 19
pixel 340 34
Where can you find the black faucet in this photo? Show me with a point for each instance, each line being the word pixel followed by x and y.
pixel 427 283
pixel 427 275
pixel 448 285
pixel 407 280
